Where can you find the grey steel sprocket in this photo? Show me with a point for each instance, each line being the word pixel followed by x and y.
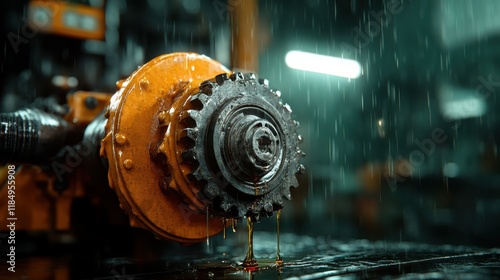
pixel 245 153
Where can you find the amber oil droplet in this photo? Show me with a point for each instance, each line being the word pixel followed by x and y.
pixel 234 225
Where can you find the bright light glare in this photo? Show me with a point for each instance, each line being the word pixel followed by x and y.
pixel 330 65
pixel 471 107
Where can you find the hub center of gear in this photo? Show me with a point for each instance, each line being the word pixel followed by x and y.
pixel 264 144
pixel 251 144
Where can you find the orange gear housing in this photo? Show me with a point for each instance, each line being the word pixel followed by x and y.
pixel 143 117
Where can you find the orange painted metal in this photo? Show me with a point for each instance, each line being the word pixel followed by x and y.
pixel 67 19
pixel 42 207
pixel 245 35
pixel 143 145
pixel 80 113
pixel 39 207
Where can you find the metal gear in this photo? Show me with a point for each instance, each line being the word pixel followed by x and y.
pixel 242 146
pixel 184 152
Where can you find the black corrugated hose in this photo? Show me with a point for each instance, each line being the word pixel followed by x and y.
pixel 32 136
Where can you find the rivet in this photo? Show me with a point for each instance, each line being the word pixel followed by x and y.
pixel 120 139
pixel 128 163
pixel 162 116
pixel 119 84
pixel 144 84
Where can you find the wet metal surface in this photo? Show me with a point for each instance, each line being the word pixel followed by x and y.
pixel 304 257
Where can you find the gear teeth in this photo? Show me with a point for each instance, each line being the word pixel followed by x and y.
pixel 301 169
pixel 268 207
pixel 299 138
pixel 300 153
pixel 225 206
pixel 296 123
pixel 197 174
pixel 211 190
pixel 189 156
pixel 294 183
pixel 200 100
pixel 195 115
pixel 206 87
pixel 250 77
pixel 187 119
pixel 189 132
pixel 206 83
pixel 242 212
pixel 256 215
pixel 203 98
pixel 264 82
pixel 279 199
pixel 221 79
pixel 237 76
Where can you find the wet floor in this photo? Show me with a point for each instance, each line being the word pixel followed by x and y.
pixel 304 257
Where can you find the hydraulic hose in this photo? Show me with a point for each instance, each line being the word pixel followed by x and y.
pixel 32 136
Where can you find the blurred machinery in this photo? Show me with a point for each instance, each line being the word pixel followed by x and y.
pixel 186 142
pixel 406 151
pixel 179 148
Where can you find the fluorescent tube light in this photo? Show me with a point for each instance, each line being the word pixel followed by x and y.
pixel 329 65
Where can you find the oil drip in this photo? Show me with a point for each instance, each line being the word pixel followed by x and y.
pixel 234 225
pixel 250 261
pixel 208 234
pixel 224 220
pixel 279 260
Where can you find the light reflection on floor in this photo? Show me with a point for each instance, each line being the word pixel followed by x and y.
pixel 305 257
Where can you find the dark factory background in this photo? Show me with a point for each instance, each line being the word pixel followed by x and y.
pixel 401 140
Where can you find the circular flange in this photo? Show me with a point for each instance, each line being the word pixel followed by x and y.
pixel 141 115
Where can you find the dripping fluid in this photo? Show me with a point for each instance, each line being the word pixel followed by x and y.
pixel 279 260
pixel 208 234
pixel 234 225
pixel 224 220
pixel 250 260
